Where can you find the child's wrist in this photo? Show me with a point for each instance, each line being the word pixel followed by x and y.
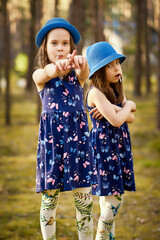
pixel 50 69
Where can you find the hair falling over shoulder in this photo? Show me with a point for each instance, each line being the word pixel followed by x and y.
pixel 112 91
pixel 41 59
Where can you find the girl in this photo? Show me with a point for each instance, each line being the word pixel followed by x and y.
pixel 110 139
pixel 63 157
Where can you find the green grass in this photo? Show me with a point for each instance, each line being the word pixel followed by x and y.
pixel 139 217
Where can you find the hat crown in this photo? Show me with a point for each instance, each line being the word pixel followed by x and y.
pixel 56 20
pixel 57 23
pixel 100 54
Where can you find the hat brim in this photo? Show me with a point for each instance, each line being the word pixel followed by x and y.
pixel 107 60
pixel 45 29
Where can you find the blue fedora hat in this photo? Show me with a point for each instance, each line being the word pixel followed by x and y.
pixel 100 54
pixel 57 23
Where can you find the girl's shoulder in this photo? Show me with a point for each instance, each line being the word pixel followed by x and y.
pixel 93 91
pixel 92 94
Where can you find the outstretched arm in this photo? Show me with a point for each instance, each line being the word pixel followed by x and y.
pixel 43 75
pixel 79 63
pixel 83 69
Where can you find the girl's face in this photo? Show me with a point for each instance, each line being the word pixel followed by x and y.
pixel 58 44
pixel 113 71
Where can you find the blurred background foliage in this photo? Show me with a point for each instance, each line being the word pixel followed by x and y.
pixel 133 28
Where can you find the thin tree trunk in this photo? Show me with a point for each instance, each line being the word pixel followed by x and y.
pixel 158 91
pixel 138 57
pixel 32 47
pixel 56 12
pixel 6 27
pixel 39 4
pixel 0 78
pixel 77 18
pixel 1 48
pixel 97 20
pixel 147 47
pixel 100 20
pixel 94 17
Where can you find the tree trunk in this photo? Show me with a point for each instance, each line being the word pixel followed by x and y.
pixel 32 46
pixel 77 18
pixel 97 20
pixel 93 18
pixel 1 47
pixel 100 20
pixel 39 5
pixel 138 57
pixel 147 47
pixel 56 12
pixel 6 31
pixel 0 78
pixel 158 91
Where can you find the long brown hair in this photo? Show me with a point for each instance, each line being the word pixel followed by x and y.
pixel 41 59
pixel 112 91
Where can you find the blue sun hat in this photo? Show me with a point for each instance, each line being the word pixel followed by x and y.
pixel 57 23
pixel 100 54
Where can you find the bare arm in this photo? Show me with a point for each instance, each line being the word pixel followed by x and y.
pixel 131 116
pixel 61 68
pixel 98 115
pixel 83 72
pixel 81 67
pixel 116 118
pixel 43 75
pixel 40 77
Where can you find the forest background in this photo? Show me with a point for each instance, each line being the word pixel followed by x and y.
pixel 133 28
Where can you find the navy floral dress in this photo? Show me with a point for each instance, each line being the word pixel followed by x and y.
pixel 63 156
pixel 113 161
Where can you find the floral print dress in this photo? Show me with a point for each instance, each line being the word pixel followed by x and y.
pixel 112 165
pixel 63 155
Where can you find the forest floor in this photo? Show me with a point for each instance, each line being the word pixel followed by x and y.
pixel 138 219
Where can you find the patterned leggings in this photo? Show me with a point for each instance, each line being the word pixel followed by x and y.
pixel 83 203
pixel 109 206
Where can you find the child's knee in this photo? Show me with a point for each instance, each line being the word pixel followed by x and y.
pixel 50 199
pixel 83 201
pixel 110 206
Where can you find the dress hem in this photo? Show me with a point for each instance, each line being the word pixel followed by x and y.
pixel 62 190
